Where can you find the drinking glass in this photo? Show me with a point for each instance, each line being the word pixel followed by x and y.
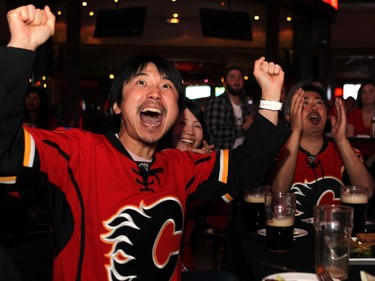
pixel 253 208
pixel 333 226
pixel 279 211
pixel 356 197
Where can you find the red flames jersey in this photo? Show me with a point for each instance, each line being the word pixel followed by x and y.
pixel 133 211
pixel 317 179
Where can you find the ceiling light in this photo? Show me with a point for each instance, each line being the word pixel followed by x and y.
pixel 173 20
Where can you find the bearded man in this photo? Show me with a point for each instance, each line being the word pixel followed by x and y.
pixel 228 116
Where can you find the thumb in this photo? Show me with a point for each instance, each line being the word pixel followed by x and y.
pixel 50 19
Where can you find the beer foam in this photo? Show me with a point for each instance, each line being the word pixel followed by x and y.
pixel 354 198
pixel 254 199
pixel 281 222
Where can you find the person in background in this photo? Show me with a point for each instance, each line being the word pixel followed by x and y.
pixel 38 113
pixel 350 105
pixel 310 165
pixel 121 203
pixel 359 121
pixel 228 116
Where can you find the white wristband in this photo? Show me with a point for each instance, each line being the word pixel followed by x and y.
pixel 270 105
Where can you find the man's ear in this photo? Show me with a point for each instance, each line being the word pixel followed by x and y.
pixel 116 109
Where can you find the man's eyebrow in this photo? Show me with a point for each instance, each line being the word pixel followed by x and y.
pixel 141 74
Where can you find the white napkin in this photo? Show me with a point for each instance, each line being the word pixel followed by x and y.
pixel 366 277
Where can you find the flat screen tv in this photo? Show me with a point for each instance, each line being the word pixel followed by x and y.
pixel 120 23
pixel 226 24
pixel 194 92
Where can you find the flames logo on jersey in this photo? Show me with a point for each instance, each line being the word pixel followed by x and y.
pixel 144 240
pixel 321 191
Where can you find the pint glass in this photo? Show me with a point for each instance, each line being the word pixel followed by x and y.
pixel 357 198
pixel 332 228
pixel 253 208
pixel 279 211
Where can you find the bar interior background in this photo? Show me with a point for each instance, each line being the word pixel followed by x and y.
pixel 309 38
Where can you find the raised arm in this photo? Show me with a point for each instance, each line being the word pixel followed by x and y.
pixel 354 166
pixel 30 27
pixel 270 78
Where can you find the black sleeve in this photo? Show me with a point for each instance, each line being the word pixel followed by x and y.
pixel 251 162
pixel 15 69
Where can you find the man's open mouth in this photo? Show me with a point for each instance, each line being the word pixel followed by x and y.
pixel 151 116
pixel 315 118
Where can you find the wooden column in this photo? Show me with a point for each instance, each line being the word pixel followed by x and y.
pixel 272 30
pixel 70 106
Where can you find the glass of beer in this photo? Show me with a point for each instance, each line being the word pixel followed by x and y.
pixel 356 197
pixel 279 212
pixel 253 208
pixel 332 232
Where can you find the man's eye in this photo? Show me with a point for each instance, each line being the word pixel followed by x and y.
pixel 141 82
pixel 167 86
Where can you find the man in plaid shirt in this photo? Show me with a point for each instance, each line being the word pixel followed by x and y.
pixel 228 116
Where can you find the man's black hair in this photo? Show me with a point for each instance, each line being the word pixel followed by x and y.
pixel 134 65
pixel 307 85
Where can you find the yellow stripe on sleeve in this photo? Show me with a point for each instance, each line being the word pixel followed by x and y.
pixel 29 153
pixel 8 180
pixel 227 198
pixel 224 162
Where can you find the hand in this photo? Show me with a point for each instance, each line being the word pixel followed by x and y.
pixel 295 111
pixel 30 27
pixel 205 149
pixel 270 78
pixel 338 122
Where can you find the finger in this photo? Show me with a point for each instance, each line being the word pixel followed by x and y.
pixel 258 63
pixel 264 66
pixel 23 13
pixel 29 14
pixel 51 18
pixel 271 67
pixel 38 18
pixel 333 120
pixel 277 69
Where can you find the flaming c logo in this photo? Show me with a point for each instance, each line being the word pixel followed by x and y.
pixel 144 240
pixel 319 191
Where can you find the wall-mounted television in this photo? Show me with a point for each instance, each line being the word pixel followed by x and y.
pixel 122 22
pixel 226 24
pixel 194 92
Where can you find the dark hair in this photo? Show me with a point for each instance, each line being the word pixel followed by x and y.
pixel 229 69
pixel 134 65
pixel 307 85
pixel 360 92
pixel 198 113
pixel 44 111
